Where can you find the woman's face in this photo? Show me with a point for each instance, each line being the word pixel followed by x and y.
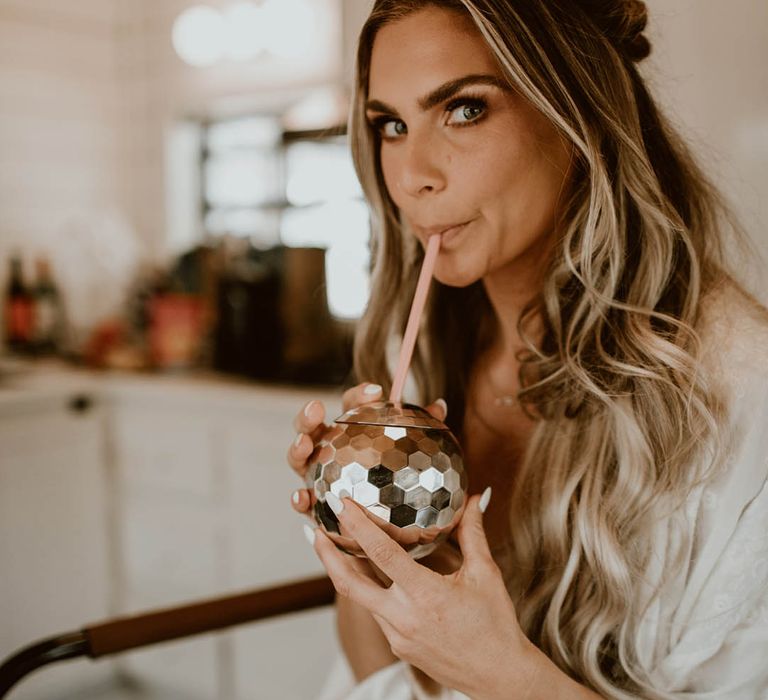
pixel 460 147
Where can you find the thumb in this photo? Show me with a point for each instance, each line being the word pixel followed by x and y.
pixel 471 533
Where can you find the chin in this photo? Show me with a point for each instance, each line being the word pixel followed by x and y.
pixel 457 277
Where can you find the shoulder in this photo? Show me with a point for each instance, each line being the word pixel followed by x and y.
pixel 734 362
pixel 733 331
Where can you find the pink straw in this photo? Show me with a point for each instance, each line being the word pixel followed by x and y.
pixel 414 319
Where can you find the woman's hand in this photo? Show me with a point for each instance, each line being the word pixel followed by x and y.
pixel 309 426
pixel 364 644
pixel 461 629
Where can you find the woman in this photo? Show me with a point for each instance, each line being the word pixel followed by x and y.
pixel 603 371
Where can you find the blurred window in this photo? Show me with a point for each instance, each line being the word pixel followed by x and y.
pixel 295 189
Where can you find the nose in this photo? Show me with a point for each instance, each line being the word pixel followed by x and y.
pixel 420 171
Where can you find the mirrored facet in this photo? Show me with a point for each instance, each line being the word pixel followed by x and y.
pixel 441 499
pixel 395 433
pixel 354 472
pixel 380 476
pixel 382 443
pixel 451 480
pixel 391 495
pixel 431 479
pixel 342 488
pixel 441 461
pixel 426 517
pixel 418 497
pixel 365 494
pixel 428 446
pixel 407 478
pixel 403 515
pixel 444 517
pixel 394 459
pixel 331 472
pixel 419 460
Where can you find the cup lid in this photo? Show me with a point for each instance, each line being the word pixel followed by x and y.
pixel 406 415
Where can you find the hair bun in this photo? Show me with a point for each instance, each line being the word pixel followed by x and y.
pixel 624 23
pixel 632 38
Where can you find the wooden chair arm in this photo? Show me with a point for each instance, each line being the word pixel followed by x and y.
pixel 135 631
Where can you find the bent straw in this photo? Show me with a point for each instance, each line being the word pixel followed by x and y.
pixel 414 319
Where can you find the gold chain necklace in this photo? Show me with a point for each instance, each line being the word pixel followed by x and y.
pixel 506 400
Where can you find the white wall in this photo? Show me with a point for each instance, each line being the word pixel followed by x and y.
pixel 709 67
pixel 60 151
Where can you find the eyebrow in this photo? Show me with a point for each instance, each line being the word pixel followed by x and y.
pixel 443 93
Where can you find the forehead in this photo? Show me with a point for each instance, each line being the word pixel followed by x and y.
pixel 413 55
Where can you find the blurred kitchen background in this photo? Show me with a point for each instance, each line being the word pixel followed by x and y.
pixel 183 258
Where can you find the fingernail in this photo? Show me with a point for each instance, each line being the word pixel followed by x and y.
pixel 443 405
pixel 334 502
pixel 295 497
pixel 309 533
pixel 372 389
pixel 307 408
pixel 484 499
pixel 297 441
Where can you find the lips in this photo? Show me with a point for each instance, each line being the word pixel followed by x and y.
pixel 428 231
pixel 440 228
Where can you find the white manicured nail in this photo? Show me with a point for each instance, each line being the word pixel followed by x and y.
pixel 309 533
pixel 297 441
pixel 334 502
pixel 307 407
pixel 443 405
pixel 295 497
pixel 484 499
pixel 372 389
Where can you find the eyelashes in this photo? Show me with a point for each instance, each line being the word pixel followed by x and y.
pixel 475 109
pixel 378 124
pixel 475 103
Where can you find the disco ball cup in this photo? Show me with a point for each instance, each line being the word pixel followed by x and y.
pixel 401 464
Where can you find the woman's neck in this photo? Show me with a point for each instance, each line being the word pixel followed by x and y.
pixel 509 292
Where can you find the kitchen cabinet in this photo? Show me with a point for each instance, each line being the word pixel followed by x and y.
pixel 203 501
pixel 54 566
pixel 164 490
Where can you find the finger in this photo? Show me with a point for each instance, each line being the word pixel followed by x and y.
pixel 299 452
pixel 301 501
pixel 346 578
pixel 360 394
pixel 438 409
pixel 378 546
pixel 471 534
pixel 310 418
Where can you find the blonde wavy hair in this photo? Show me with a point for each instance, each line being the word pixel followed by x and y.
pixel 622 406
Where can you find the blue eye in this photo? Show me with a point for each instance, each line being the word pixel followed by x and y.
pixel 389 128
pixel 392 128
pixel 466 111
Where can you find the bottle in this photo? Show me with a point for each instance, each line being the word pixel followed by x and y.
pixel 47 326
pixel 19 310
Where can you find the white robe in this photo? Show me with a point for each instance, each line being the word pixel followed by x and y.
pixel 708 638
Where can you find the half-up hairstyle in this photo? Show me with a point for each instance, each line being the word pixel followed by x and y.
pixel 626 419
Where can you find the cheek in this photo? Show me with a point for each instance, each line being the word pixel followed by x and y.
pixel 495 170
pixel 522 176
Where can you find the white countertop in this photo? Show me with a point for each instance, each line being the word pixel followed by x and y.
pixel 35 385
